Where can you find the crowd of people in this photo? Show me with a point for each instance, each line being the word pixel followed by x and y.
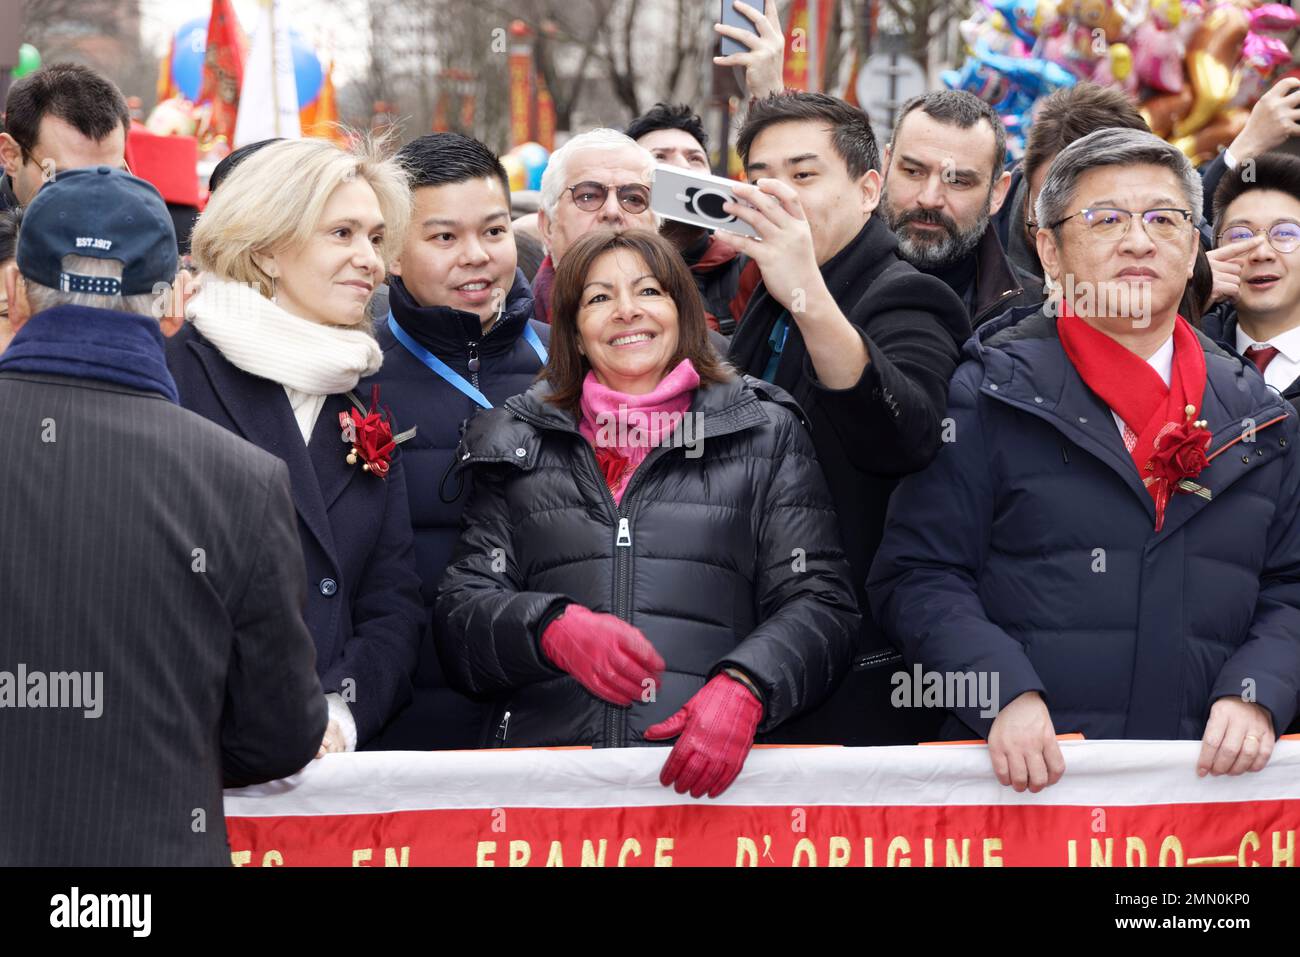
pixel 369 475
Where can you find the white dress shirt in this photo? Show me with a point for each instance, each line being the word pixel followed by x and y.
pixel 1285 367
pixel 1162 360
pixel 306 410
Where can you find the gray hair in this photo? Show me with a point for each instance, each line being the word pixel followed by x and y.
pixel 556 174
pixel 40 298
pixel 1112 147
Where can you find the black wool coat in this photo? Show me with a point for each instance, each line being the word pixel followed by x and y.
pixel 363 594
pixel 886 425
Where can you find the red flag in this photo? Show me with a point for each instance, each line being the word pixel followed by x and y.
pixel 223 69
pixel 797 39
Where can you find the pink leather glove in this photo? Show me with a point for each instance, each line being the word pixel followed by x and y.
pixel 717 727
pixel 609 657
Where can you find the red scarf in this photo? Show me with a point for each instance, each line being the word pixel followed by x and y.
pixel 1164 417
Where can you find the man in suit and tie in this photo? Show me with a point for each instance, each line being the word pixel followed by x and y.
pixel 1257 225
pixel 153 647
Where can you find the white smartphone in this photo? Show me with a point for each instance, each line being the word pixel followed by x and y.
pixel 731 17
pixel 686 196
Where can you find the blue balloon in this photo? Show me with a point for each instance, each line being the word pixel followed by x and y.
pixel 308 75
pixel 189 48
pixel 534 157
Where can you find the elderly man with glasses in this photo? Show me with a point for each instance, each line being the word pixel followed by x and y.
pixel 597 180
pixel 1111 535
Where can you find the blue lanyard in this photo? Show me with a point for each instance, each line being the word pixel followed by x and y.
pixel 446 372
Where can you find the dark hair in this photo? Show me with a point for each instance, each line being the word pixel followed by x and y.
pixel 441 158
pixel 228 163
pixel 1072 113
pixel 530 254
pixel 567 367
pixel 850 129
pixel 664 116
pixel 75 94
pixel 1197 294
pixel 10 220
pixel 961 109
pixel 1268 171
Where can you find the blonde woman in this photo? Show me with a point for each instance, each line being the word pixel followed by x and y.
pixel 291 249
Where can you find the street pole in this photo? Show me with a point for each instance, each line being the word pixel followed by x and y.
pixel 814 51
pixel 11 37
pixel 275 67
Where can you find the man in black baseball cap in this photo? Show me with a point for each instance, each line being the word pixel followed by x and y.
pixel 149 554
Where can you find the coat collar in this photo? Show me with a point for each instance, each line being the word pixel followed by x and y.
pixel 261 412
pixel 1025 366
pixel 499 435
pixel 447 332
pixel 998 284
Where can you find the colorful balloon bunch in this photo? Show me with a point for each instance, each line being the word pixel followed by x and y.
pixel 1195 67
pixel 525 164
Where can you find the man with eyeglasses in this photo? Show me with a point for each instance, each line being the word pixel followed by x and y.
pixel 1113 530
pixel 597 180
pixel 63 116
pixel 1257 224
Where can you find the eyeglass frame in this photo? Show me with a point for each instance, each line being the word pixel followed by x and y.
pixel 1187 217
pixel 618 190
pixel 1255 232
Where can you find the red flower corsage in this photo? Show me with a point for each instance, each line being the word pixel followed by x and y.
pixel 370 434
pixel 1179 457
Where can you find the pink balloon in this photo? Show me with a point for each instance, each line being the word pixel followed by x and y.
pixel 1158 58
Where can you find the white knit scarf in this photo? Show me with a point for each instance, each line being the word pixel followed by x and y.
pixel 258 336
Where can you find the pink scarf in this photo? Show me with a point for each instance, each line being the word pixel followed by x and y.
pixel 624 428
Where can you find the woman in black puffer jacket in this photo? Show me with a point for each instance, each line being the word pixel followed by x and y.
pixel 649 550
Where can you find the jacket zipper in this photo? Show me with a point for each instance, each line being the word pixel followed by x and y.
pixel 473 345
pixel 502 729
pixel 615 717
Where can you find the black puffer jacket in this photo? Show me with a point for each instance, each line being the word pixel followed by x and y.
pixel 726 558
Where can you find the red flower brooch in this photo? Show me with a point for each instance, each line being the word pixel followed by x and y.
pixel 370 434
pixel 1179 457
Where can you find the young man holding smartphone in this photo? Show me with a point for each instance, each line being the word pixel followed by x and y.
pixel 862 340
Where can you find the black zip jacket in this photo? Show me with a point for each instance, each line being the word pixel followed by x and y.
pixel 726 558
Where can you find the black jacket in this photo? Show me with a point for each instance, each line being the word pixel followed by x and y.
pixel 887 425
pixel 150 546
pixel 1220 324
pixel 363 601
pixel 438 716
pixel 726 558
pixel 1000 283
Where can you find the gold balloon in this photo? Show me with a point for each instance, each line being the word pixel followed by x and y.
pixel 1204 145
pixel 1211 58
pixel 1121 61
pixel 1163 111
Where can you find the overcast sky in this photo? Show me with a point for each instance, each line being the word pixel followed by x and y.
pixel 326 24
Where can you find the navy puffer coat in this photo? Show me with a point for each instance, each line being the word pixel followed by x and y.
pixel 499 364
pixel 1028 549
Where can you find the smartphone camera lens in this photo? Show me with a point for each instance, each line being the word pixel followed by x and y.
pixel 707 203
